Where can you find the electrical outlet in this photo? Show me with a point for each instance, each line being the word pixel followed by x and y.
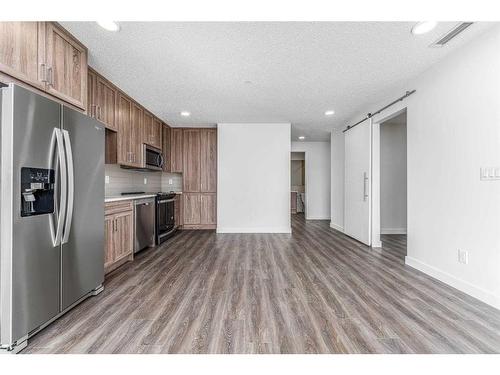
pixel 170 181
pixel 145 180
pixel 463 256
pixel 106 179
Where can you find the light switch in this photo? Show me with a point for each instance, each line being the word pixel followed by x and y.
pixel 170 181
pixel 145 180
pixel 106 179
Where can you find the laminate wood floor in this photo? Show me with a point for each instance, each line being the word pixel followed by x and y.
pixel 315 291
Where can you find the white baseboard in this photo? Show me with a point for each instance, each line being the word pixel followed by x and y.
pixel 392 230
pixel 254 230
pixel 317 218
pixel 462 285
pixel 376 244
pixel 337 227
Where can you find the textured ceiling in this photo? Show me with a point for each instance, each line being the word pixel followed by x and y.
pixel 260 71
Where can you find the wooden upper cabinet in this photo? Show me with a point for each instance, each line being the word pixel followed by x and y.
pixel 191 160
pixel 152 130
pixel 156 132
pixel 166 145
pixel 124 146
pixel 147 126
pixel 136 135
pixel 91 93
pixel 176 146
pixel 106 97
pixel 22 47
pixel 208 160
pixel 66 61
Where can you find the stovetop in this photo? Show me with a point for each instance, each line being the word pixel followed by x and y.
pixel 166 195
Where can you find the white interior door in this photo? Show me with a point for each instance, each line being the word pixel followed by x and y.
pixel 357 204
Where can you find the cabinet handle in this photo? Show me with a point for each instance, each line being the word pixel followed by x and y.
pixel 43 72
pixel 50 80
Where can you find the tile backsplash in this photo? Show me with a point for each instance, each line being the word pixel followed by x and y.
pixel 120 180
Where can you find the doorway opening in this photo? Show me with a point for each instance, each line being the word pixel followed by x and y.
pixel 393 184
pixel 298 183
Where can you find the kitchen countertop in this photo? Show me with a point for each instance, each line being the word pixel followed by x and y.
pixel 117 198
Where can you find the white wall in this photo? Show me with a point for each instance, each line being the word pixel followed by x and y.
pixel 393 176
pixel 453 129
pixel 317 184
pixel 253 178
pixel 337 180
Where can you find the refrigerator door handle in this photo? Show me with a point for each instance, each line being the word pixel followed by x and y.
pixel 57 144
pixel 71 187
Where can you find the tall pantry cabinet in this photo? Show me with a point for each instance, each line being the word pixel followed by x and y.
pixel 199 178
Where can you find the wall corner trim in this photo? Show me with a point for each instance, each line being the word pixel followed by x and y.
pixel 462 285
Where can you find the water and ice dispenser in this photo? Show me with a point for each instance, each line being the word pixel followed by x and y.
pixel 37 191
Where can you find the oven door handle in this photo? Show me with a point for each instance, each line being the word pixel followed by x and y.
pixel 167 200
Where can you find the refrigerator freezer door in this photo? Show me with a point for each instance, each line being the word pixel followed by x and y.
pixel 30 262
pixel 83 238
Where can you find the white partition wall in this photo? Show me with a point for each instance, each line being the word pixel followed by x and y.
pixel 253 182
pixel 452 132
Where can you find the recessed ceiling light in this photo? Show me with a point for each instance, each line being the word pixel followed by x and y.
pixel 329 112
pixel 109 25
pixel 185 114
pixel 302 137
pixel 423 27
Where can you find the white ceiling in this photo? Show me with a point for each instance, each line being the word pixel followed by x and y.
pixel 297 70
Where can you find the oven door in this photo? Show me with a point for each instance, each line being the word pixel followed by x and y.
pixel 165 217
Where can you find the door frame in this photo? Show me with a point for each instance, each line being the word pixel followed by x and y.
pixel 388 114
pixel 306 203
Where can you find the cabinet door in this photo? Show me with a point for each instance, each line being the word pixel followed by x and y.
pixel 136 135
pixel 176 154
pixel 179 220
pixel 147 134
pixel 208 169
pixel 156 133
pixel 106 103
pixel 20 54
pixel 109 251
pixel 124 131
pixel 123 237
pixel 91 94
pixel 191 160
pixel 166 145
pixel 208 208
pixel 66 66
pixel 191 208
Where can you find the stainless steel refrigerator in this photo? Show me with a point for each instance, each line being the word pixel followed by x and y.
pixel 51 212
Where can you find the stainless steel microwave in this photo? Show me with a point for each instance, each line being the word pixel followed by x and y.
pixel 153 158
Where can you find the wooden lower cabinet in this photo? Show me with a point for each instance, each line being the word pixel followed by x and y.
pixel 200 210
pixel 119 234
pixel 208 208
pixel 192 209
pixel 178 211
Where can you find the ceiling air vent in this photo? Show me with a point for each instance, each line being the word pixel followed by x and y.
pixel 451 34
